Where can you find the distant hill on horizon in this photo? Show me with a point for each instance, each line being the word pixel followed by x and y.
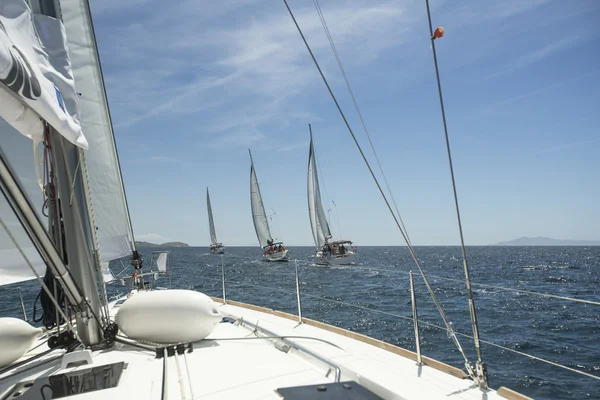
pixel 544 241
pixel 168 244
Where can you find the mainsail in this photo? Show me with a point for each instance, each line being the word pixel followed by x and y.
pixel 261 225
pixel 111 215
pixel 318 219
pixel 211 222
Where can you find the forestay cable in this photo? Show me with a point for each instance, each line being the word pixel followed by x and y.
pixel 480 366
pixel 453 336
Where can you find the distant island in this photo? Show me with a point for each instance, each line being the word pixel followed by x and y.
pixel 544 241
pixel 168 244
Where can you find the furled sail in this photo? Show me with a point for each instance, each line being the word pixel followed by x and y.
pixel 108 201
pixel 35 75
pixel 318 219
pixel 211 222
pixel 261 225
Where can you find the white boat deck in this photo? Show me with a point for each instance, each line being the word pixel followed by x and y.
pixel 249 368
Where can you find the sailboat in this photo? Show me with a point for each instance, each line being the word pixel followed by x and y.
pixel 272 250
pixel 329 251
pixel 215 246
pixel 148 344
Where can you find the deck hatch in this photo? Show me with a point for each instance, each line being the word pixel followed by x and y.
pixel 69 383
pixel 348 390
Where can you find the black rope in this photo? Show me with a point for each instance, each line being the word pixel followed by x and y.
pixel 49 312
pixel 48 316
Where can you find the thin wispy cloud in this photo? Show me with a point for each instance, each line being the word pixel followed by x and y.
pixel 165 159
pixel 157 159
pixel 293 146
pixel 536 55
pixel 485 11
pixel 151 237
pixel 537 91
pixel 239 76
pixel 567 146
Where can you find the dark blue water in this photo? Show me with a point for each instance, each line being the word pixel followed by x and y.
pixel 562 331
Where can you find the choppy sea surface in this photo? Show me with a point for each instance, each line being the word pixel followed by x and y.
pixel 372 296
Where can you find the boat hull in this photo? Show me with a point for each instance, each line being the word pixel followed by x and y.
pixel 278 256
pixel 220 250
pixel 334 260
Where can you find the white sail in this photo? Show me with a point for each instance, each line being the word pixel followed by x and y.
pixel 261 225
pixel 107 275
pixel 318 219
pixel 109 207
pixel 211 222
pixel 35 84
pixel 161 262
pixel 32 86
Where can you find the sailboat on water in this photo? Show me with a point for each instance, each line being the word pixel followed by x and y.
pixel 272 250
pixel 215 246
pixel 328 251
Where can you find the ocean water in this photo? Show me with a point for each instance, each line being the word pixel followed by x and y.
pixel 372 297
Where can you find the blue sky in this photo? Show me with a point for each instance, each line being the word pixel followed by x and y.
pixel 193 84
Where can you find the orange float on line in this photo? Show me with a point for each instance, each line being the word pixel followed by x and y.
pixel 439 32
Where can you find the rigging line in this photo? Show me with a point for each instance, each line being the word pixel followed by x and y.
pixel 335 211
pixel 343 71
pixel 273 210
pixel 530 292
pixel 468 366
pixel 40 280
pixel 323 182
pixel 554 296
pixel 396 271
pixel 472 310
pixel 541 359
pixel 555 364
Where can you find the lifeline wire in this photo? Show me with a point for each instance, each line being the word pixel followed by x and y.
pixel 432 325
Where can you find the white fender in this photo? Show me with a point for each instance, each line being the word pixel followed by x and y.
pixel 16 339
pixel 168 316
